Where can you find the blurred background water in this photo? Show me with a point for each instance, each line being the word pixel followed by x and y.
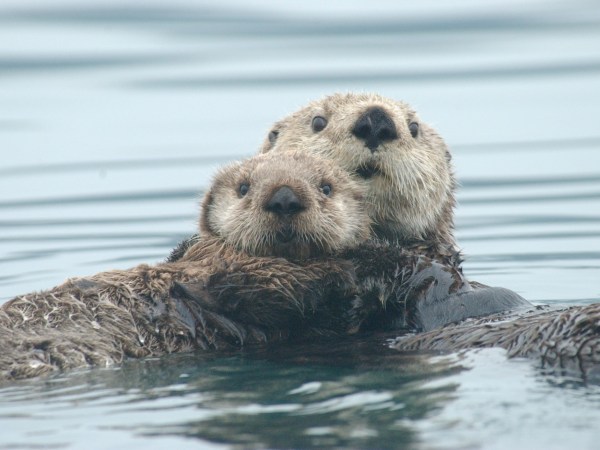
pixel 113 117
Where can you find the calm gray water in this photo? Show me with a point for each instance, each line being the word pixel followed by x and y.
pixel 113 117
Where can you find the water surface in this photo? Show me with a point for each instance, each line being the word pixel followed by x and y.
pixel 113 119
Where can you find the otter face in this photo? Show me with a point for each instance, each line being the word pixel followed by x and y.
pixel 405 163
pixel 285 204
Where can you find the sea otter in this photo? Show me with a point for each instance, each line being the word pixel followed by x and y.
pixel 285 254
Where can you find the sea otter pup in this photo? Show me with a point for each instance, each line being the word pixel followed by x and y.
pixel 104 318
pixel 296 206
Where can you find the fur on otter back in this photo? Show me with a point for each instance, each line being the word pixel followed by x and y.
pixel 217 299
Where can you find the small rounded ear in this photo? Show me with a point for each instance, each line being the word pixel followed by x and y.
pixel 265 146
pixel 270 141
pixel 205 210
pixel 272 137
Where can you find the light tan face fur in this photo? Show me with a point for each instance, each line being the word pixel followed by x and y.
pixel 410 195
pixel 325 224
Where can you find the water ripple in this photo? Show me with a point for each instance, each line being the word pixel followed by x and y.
pixel 125 164
pixel 237 21
pixel 124 197
pixel 72 221
pixel 556 257
pixel 39 65
pixel 556 180
pixel 533 199
pixel 381 76
pixel 481 222
pixel 542 145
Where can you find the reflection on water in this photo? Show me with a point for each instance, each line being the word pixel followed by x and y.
pixel 305 399
pixel 114 118
pixel 351 395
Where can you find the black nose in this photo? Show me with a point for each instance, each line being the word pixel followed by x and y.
pixel 284 201
pixel 375 127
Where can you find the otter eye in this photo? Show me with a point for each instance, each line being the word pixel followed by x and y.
pixel 319 123
pixel 414 129
pixel 243 189
pixel 326 189
pixel 273 136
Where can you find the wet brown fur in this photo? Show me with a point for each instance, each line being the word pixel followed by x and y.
pixel 152 310
pixel 564 339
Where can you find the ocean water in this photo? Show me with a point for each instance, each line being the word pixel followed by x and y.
pixel 113 118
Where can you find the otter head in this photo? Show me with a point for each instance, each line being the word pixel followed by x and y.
pixel 288 204
pixel 405 163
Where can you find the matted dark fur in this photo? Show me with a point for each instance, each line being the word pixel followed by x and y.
pixel 152 310
pixel 565 339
